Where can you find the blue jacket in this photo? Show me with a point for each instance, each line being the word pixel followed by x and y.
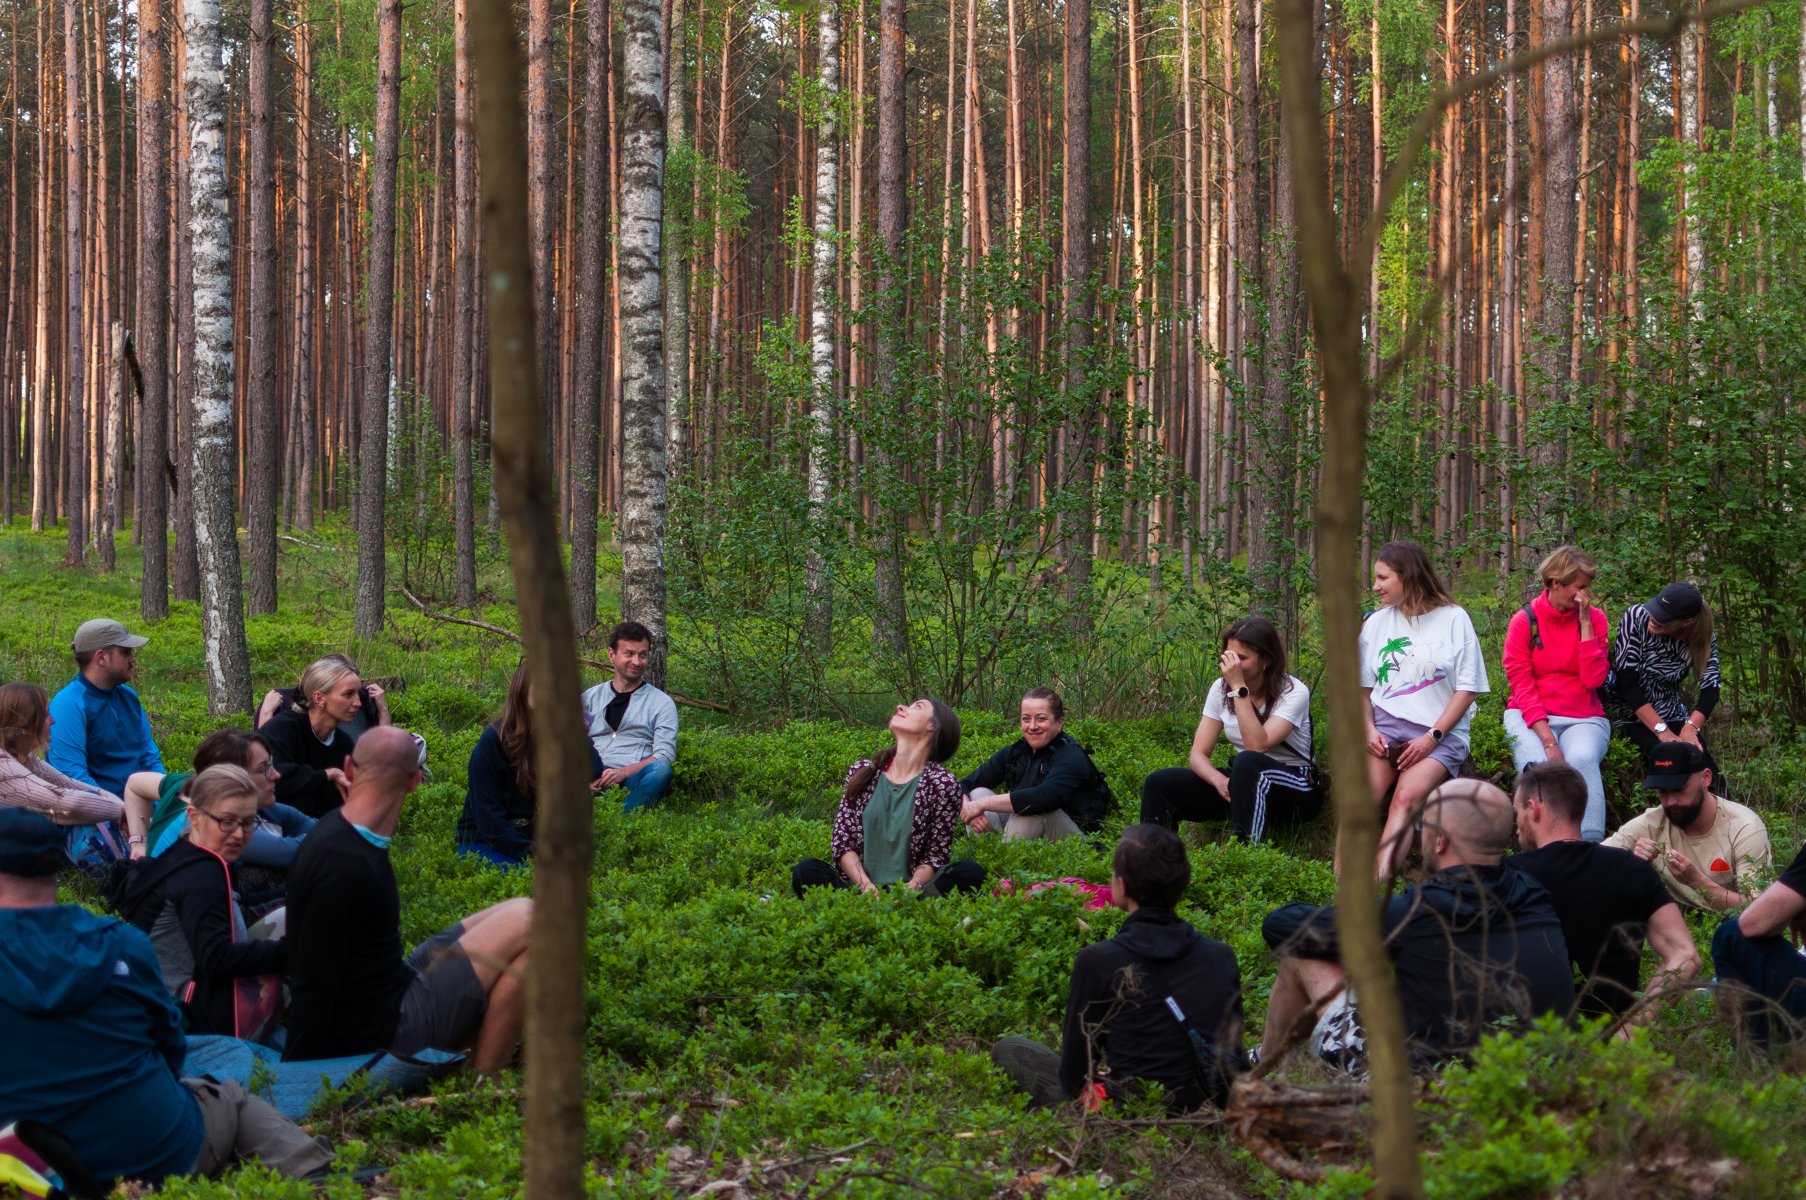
pixel 93 1043
pixel 101 735
pixel 495 813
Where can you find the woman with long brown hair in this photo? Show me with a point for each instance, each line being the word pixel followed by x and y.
pixel 27 781
pixel 1421 667
pixel 898 813
pixel 500 800
pixel 1659 643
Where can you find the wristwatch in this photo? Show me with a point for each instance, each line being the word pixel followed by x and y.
pixel 1241 693
pixel 1659 727
pixel 1436 734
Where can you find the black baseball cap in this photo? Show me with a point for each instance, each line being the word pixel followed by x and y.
pixel 1671 764
pixel 1676 602
pixel 30 845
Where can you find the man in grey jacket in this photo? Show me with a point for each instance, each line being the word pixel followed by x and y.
pixel 632 723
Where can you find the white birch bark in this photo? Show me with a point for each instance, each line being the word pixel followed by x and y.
pixel 643 328
pixel 210 236
pixel 817 585
pixel 1692 44
pixel 114 424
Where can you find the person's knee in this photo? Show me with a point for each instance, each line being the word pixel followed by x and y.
pixel 964 876
pixel 1729 946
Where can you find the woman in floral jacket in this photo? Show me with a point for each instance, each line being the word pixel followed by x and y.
pixel 898 814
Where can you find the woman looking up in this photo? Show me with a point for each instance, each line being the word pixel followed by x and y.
pixel 1050 788
pixel 307 741
pixel 1421 666
pixel 1555 663
pixel 898 813
pixel 1266 715
pixel 1659 644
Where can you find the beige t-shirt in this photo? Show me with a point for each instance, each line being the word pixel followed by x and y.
pixel 1730 853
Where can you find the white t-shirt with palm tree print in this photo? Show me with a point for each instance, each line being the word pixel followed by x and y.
pixel 1414 664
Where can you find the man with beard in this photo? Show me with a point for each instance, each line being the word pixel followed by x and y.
pixel 1707 849
pixel 632 724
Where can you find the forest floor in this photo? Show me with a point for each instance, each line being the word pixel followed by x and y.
pixel 744 1043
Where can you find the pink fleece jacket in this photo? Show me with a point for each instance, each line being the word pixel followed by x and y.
pixel 1564 677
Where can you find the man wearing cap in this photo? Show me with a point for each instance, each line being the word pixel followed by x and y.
pixel 351 991
pixel 100 734
pixel 1707 849
pixel 94 1046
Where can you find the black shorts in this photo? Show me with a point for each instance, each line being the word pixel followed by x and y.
pixel 444 1005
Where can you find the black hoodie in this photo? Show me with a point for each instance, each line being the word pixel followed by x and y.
pixel 1060 775
pixel 1474 947
pixel 1119 997
pixel 185 900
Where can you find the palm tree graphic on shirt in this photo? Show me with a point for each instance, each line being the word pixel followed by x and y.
pixel 1414 674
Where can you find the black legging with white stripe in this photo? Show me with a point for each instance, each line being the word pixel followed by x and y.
pixel 1262 790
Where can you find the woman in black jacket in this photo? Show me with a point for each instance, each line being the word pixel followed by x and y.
pixel 496 825
pixel 308 739
pixel 187 901
pixel 1043 785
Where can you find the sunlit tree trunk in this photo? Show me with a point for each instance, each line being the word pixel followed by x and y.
pixel 373 451
pixel 592 326
pixel 260 407
pixel 642 330
pixel 75 400
pixel 227 660
pixel 890 619
pixel 819 616
pixel 152 340
pixel 681 244
pixel 305 402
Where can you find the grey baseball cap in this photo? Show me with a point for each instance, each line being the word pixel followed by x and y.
pixel 100 633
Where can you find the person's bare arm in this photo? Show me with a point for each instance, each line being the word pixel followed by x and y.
pixel 855 870
pixel 1202 743
pixel 1670 938
pixel 140 806
pixel 1772 912
pixel 272 700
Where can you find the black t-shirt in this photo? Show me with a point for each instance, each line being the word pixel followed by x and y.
pixel 1473 947
pixel 346 974
pixel 617 707
pixel 1795 874
pixel 1605 898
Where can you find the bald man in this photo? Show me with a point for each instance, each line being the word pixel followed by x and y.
pixel 351 990
pixel 1473 944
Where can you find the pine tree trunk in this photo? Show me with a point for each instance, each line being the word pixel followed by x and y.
pixel 680 244
pixel 261 409
pixel 75 400
pixel 216 537
pixel 1560 172
pixel 1078 515
pixel 373 448
pixel 818 601
pixel 642 347
pixel 557 981
pixel 890 618
pixel 114 462
pixel 592 328
pixel 301 481
pixel 464 331
pixel 542 171
pixel 152 339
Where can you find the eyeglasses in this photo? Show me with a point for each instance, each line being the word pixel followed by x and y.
pixel 228 825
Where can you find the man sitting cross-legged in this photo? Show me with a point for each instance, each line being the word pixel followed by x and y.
pixel 1157 1003
pixel 1752 952
pixel 1473 944
pixel 351 991
pixel 1707 849
pixel 93 1045
pixel 1609 900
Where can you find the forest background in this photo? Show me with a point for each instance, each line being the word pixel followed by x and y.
pixel 950 350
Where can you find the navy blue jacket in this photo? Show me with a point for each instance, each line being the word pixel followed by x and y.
pixel 495 813
pixel 93 1044
pixel 101 735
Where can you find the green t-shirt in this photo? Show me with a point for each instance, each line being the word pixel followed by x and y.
pixel 169 820
pixel 888 819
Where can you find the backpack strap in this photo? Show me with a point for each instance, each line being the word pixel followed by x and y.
pixel 1213 1067
pixel 1536 637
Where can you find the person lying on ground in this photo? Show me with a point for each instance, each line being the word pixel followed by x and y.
pixel 1266 715
pixel 1421 666
pixel 94 1045
pixel 1051 789
pixel 373 702
pixel 1763 972
pixel 1474 944
pixel 280 827
pixel 308 739
pixel 632 724
pixel 1555 661
pixel 1158 1003
pixel 188 901
pixel 28 782
pixel 1658 645
pixel 99 734
pixel 351 989
pixel 1707 849
pixel 898 813
pixel 500 799
pixel 1609 900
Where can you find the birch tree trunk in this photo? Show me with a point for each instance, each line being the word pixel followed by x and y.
pixel 1691 49
pixel 676 262
pixel 152 341
pixel 373 450
pixel 75 400
pixel 890 617
pixel 556 984
pixel 592 324
pixel 642 347
pixel 209 232
pixel 260 407
pixel 464 517
pixel 819 613
pixel 1335 309
pixel 114 425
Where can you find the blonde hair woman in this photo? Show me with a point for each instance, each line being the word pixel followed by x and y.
pixel 308 741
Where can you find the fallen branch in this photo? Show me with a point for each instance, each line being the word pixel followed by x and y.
pixel 486 627
pixel 302 542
